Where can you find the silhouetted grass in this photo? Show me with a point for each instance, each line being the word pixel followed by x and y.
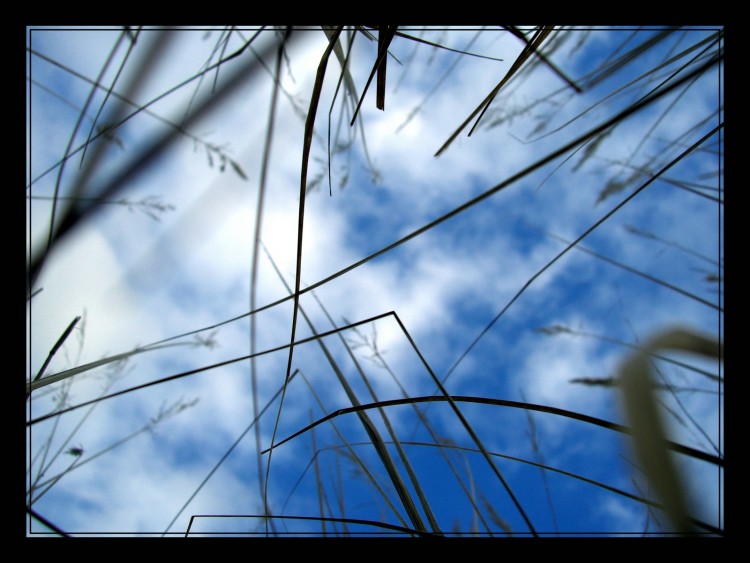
pixel 430 459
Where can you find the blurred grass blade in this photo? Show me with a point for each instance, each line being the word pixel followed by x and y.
pixel 318 481
pixel 71 139
pixel 345 78
pixel 648 430
pixel 76 215
pixel 181 128
pixel 34 293
pixel 108 94
pixel 534 439
pixel 256 250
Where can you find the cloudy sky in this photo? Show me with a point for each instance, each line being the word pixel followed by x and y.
pixel 456 268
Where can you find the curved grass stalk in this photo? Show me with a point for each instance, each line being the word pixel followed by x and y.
pixel 647 427
pixel 557 329
pixel 679 448
pixel 309 127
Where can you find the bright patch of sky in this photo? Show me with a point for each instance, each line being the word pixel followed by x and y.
pixel 458 277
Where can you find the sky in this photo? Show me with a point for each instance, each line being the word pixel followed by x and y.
pixel 455 273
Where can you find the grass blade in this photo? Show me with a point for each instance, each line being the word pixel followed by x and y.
pixel 647 428
pixel 72 138
pixel 63 375
pixel 482 107
pixel 515 31
pixel 53 351
pixel 382 55
pixel 254 263
pixel 679 448
pixel 309 127
pixel 385 36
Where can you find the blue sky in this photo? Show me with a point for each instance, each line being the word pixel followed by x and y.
pixel 172 283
